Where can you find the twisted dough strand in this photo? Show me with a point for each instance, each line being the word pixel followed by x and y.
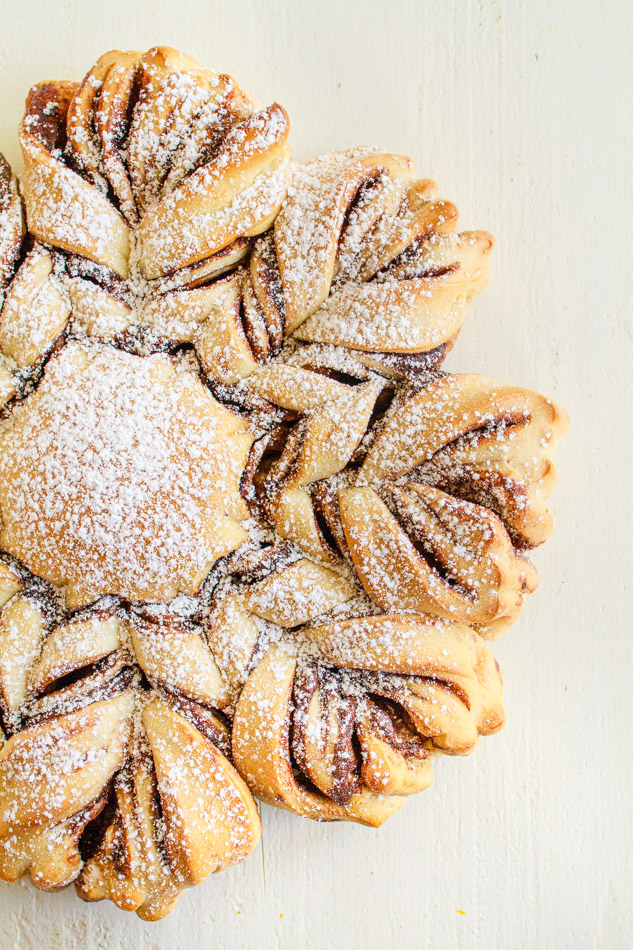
pixel 341 720
pixel 417 685
pixel 359 256
pixel 153 150
pixel 72 745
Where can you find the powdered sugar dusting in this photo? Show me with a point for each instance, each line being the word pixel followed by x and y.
pixel 196 627
pixel 116 477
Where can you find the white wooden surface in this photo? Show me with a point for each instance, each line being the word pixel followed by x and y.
pixel 523 112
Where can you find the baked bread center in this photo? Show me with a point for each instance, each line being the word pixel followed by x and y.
pixel 120 475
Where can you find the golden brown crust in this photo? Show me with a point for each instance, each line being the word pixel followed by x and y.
pixel 105 427
pixel 153 150
pixel 296 729
pixel 361 257
pixel 235 195
pixel 62 208
pixel 437 554
pixel 11 224
pixel 261 749
pixel 179 810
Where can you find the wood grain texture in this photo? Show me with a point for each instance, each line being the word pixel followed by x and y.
pixel 523 113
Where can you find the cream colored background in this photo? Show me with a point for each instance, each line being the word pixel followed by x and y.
pixel 523 112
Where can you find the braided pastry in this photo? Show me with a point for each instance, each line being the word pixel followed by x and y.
pixel 152 142
pixel 253 540
pixel 396 687
pixel 125 788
